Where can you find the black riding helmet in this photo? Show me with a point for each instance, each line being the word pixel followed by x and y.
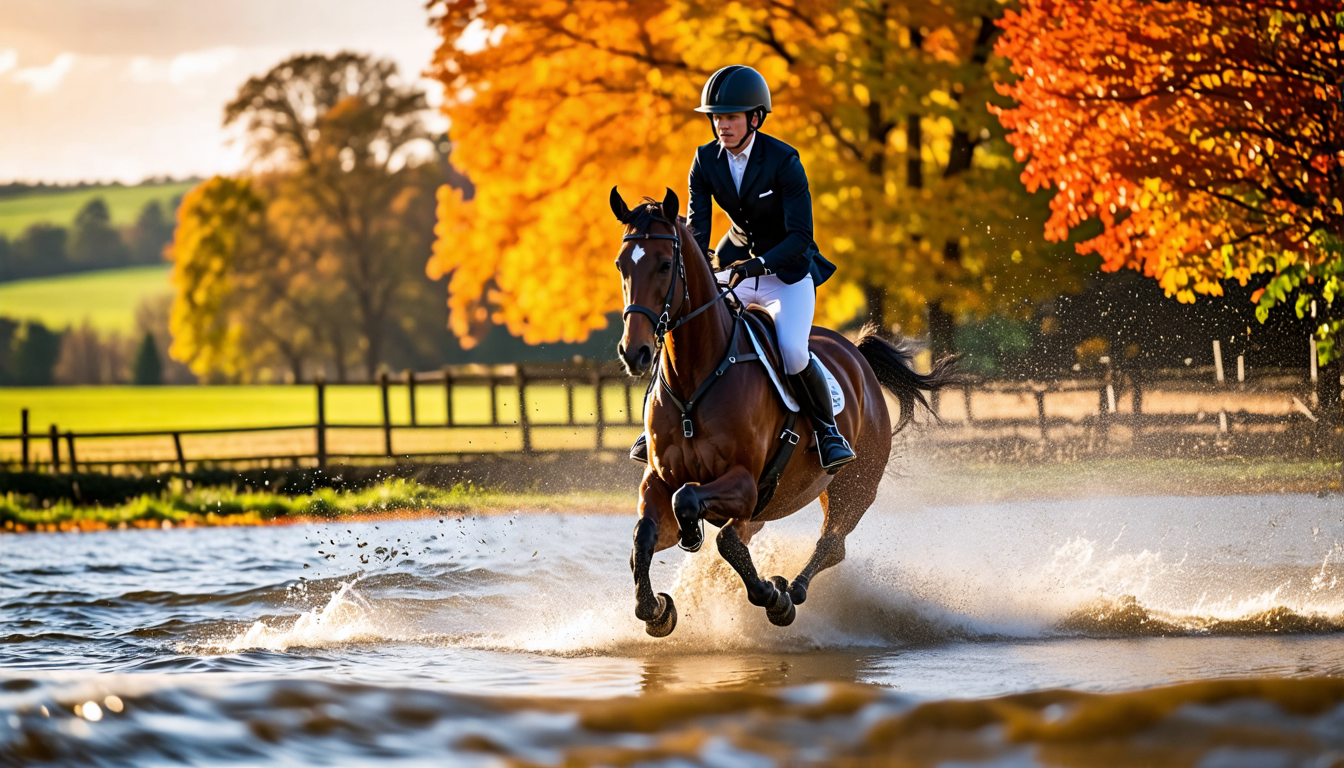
pixel 736 88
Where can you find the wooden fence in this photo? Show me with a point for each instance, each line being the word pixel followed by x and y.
pixel 1107 410
pixel 55 449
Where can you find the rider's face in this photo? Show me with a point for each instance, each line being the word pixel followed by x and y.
pixel 732 127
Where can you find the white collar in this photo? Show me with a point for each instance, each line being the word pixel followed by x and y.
pixel 745 154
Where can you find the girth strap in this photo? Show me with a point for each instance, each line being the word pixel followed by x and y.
pixel 765 489
pixel 731 358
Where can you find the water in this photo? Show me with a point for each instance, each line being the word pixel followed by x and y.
pixel 512 639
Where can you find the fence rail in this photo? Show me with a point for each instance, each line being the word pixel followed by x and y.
pixel 1297 403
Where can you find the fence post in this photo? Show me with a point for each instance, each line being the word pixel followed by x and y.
pixel 387 414
pixel 630 415
pixel 523 422
pixel 1218 361
pixel 70 449
pixel 55 450
pixel 494 399
pixel 601 422
pixel 1105 403
pixel 1040 415
pixel 448 393
pixel 23 438
pixel 410 392
pixel 321 384
pixel 177 446
pixel 1241 369
pixel 966 398
pixel 569 398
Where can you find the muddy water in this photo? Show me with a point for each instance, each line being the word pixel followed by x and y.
pixel 512 640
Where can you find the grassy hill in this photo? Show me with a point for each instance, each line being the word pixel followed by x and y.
pixel 108 297
pixel 17 213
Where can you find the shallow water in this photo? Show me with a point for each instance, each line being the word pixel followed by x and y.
pixel 503 639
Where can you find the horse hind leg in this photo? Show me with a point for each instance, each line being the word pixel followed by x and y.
pixel 843 505
pixel 772 594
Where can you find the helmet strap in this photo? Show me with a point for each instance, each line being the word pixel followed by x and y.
pixel 758 113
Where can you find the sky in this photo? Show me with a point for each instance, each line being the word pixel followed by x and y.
pixel 121 90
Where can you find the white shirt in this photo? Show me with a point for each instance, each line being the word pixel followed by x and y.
pixel 737 163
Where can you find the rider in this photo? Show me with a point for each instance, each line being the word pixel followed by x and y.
pixel 768 254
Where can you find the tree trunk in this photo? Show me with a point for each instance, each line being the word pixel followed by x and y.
pixel 942 331
pixel 876 296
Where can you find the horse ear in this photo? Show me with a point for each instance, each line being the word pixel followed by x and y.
pixel 618 206
pixel 671 205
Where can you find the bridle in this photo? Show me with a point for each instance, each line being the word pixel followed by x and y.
pixel 662 321
pixel 663 325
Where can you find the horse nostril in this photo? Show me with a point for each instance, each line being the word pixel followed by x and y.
pixel 645 356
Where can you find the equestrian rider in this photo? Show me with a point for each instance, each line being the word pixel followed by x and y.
pixel 770 256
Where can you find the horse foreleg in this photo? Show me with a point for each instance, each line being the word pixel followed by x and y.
pixel 655 531
pixel 772 595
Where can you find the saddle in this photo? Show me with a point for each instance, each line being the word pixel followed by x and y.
pixel 761 330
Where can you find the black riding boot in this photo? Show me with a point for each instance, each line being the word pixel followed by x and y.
pixel 809 385
pixel 640 450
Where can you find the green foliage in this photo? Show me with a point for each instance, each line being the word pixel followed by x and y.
pixel 989 345
pixel 95 243
pixel 147 370
pixel 152 232
pixel 177 504
pixel 36 349
pixel 1302 282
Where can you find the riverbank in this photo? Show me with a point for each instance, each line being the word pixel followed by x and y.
pixel 919 482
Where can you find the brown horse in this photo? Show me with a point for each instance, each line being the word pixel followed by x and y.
pixel 714 422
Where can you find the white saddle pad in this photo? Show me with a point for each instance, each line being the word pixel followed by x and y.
pixel 837 394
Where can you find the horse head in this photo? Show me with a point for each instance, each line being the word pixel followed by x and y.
pixel 653 278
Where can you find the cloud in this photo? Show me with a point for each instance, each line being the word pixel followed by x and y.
pixel 8 58
pixel 46 79
pixel 183 67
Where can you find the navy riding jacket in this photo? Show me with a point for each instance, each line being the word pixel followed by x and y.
pixel 771 216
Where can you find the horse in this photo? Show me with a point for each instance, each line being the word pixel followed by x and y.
pixel 714 423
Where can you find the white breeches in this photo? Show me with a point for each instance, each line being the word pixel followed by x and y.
pixel 792 307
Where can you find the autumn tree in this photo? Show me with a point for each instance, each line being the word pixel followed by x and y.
pixel 318 254
pixel 1207 137
pixel 345 131
pixel 914 188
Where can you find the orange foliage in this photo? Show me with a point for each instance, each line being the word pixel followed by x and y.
pixel 1203 134
pixel 553 101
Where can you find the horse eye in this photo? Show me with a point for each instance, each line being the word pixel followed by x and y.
pixel 666 267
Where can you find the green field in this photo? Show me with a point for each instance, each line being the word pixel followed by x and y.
pixel 86 409
pixel 18 213
pixel 108 298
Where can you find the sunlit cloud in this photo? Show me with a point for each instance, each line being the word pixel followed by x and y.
pixel 46 79
pixel 8 58
pixel 183 67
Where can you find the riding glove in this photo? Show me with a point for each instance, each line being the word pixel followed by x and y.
pixel 741 270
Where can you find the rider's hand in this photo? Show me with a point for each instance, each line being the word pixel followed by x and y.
pixel 741 270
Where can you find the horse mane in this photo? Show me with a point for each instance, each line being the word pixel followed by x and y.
pixel 642 215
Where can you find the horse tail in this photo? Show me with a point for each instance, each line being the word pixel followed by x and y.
pixel 892 363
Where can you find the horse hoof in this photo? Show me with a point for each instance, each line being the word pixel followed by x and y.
pixel 782 613
pixel 692 541
pixel 667 618
pixel 798 592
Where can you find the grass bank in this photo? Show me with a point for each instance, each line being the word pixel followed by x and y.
pixel 106 298
pixel 19 212
pixel 181 505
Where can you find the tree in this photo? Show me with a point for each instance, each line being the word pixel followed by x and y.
pixel 36 349
pixel 41 251
pixel 96 243
pixel 147 369
pixel 1204 135
pixel 913 186
pixel 342 135
pixel 152 232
